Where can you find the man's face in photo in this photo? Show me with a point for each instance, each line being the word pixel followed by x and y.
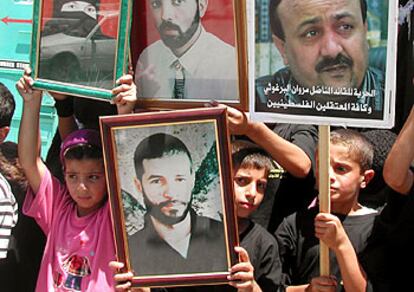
pixel 167 184
pixel 325 42
pixel 176 20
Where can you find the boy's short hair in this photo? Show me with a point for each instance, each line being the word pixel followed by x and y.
pixel 7 106
pixel 81 144
pixel 246 154
pixel 359 148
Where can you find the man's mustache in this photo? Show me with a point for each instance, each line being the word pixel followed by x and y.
pixel 167 25
pixel 327 62
pixel 166 203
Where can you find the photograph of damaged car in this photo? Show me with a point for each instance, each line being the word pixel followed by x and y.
pixel 78 43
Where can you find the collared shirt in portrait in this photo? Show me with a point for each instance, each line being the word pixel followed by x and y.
pixel 209 68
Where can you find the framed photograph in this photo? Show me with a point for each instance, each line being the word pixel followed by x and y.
pixel 171 194
pixel 335 65
pixel 190 53
pixel 80 47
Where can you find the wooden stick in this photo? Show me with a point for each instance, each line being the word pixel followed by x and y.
pixel 324 190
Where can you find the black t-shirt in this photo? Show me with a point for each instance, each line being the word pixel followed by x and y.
pixel 286 194
pixel 264 255
pixel 299 248
pixel 405 70
pixel 390 247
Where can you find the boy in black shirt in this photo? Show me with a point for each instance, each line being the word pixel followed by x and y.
pixel 344 231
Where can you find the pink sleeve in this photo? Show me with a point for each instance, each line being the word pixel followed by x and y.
pixel 48 201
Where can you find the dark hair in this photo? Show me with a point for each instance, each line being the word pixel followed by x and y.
pixel 157 146
pixel 246 154
pixel 276 24
pixel 374 195
pixel 359 148
pixel 83 151
pixel 7 106
pixel 11 169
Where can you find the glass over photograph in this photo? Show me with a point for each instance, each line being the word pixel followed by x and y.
pixel 78 41
pixel 186 50
pixel 169 179
pixel 171 193
pixel 79 47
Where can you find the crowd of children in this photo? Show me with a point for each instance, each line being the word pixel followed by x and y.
pixel 274 176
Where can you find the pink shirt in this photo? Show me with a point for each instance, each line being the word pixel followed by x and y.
pixel 78 249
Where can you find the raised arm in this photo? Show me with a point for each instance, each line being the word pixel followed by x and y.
pixel 29 135
pixel 290 156
pixel 397 173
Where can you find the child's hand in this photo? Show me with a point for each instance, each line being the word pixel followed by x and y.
pixel 237 120
pixel 125 94
pixel 122 280
pixel 329 229
pixel 24 86
pixel 322 284
pixel 242 276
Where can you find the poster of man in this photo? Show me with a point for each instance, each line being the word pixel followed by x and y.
pixel 334 61
pixel 172 199
pixel 185 50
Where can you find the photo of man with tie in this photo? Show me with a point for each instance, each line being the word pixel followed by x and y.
pixel 187 62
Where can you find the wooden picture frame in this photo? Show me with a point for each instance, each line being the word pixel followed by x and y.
pixel 152 182
pixel 298 81
pixel 80 47
pixel 213 66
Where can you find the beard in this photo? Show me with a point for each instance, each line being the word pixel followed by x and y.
pixel 155 211
pixel 175 42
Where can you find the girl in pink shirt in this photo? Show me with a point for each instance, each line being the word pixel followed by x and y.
pixel 75 216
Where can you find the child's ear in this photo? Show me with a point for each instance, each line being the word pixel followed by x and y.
pixel 367 177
